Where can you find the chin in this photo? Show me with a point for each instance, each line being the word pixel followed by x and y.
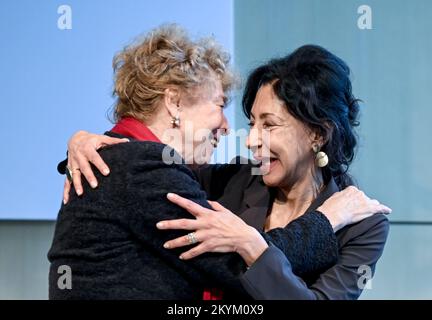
pixel 271 180
pixel 202 154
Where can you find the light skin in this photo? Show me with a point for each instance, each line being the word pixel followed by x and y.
pixel 202 113
pixel 220 230
pixel 289 159
pixel 217 230
pixel 201 117
pixel 289 166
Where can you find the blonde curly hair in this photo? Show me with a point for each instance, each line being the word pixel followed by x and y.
pixel 164 58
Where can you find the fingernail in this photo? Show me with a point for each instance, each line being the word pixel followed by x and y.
pixel 126 139
pixel 166 245
pixel 93 184
pixel 181 257
pixel 79 192
pixel 64 201
pixel 160 225
pixel 106 171
pixel 170 195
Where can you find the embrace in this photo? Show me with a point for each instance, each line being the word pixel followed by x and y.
pixel 133 226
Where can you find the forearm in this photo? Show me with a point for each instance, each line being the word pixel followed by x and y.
pixel 252 246
pixel 307 234
pixel 308 242
pixel 271 277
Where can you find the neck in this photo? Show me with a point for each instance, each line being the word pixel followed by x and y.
pixel 297 197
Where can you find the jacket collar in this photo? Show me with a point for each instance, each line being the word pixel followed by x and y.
pixel 258 198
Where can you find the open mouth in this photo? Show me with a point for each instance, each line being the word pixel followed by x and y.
pixel 214 138
pixel 271 163
pixel 214 142
pixel 266 164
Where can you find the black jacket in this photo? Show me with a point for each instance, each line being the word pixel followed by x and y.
pixel 271 276
pixel 109 240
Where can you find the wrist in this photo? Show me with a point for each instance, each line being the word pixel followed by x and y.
pixel 334 218
pixel 252 247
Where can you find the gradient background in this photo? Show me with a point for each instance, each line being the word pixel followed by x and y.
pixel 54 82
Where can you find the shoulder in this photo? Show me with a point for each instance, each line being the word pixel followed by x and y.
pixel 369 234
pixel 146 150
pixel 146 160
pixel 143 153
pixel 376 225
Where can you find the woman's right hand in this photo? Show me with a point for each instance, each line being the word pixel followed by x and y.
pixel 349 206
pixel 82 151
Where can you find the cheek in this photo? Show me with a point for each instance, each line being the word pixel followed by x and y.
pixel 282 143
pixel 205 121
pixel 288 148
pixel 213 119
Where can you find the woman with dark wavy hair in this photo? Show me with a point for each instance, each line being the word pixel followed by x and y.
pixel 302 116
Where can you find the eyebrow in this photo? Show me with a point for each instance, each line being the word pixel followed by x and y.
pixel 266 115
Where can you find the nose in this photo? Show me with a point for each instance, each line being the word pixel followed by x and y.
pixel 254 139
pixel 224 128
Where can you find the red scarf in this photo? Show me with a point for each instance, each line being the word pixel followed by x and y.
pixel 131 127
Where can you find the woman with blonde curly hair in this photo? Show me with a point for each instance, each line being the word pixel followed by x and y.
pixel 170 95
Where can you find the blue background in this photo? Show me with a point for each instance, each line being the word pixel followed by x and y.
pixel 54 82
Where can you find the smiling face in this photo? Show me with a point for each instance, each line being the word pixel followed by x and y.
pixel 203 121
pixel 279 141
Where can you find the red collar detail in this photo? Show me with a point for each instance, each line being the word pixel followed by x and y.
pixel 133 128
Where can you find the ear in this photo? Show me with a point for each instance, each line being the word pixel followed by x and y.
pixel 321 138
pixel 171 101
pixel 316 140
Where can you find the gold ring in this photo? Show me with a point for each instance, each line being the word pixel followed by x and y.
pixel 69 173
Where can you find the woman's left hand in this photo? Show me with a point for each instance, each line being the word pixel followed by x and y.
pixel 217 230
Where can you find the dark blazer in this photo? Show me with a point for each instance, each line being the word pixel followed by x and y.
pixel 109 240
pixel 271 276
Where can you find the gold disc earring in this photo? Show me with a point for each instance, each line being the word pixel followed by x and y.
pixel 321 158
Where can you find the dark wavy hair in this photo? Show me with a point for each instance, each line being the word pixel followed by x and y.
pixel 315 86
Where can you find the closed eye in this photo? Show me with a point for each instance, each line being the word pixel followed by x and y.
pixel 268 125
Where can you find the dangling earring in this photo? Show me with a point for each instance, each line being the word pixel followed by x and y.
pixel 321 158
pixel 175 121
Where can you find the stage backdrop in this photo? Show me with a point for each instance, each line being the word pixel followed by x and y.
pixel 388 45
pixel 56 77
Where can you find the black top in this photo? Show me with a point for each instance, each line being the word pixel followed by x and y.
pixel 109 240
pixel 271 276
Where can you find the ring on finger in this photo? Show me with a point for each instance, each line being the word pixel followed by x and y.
pixel 192 238
pixel 69 173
